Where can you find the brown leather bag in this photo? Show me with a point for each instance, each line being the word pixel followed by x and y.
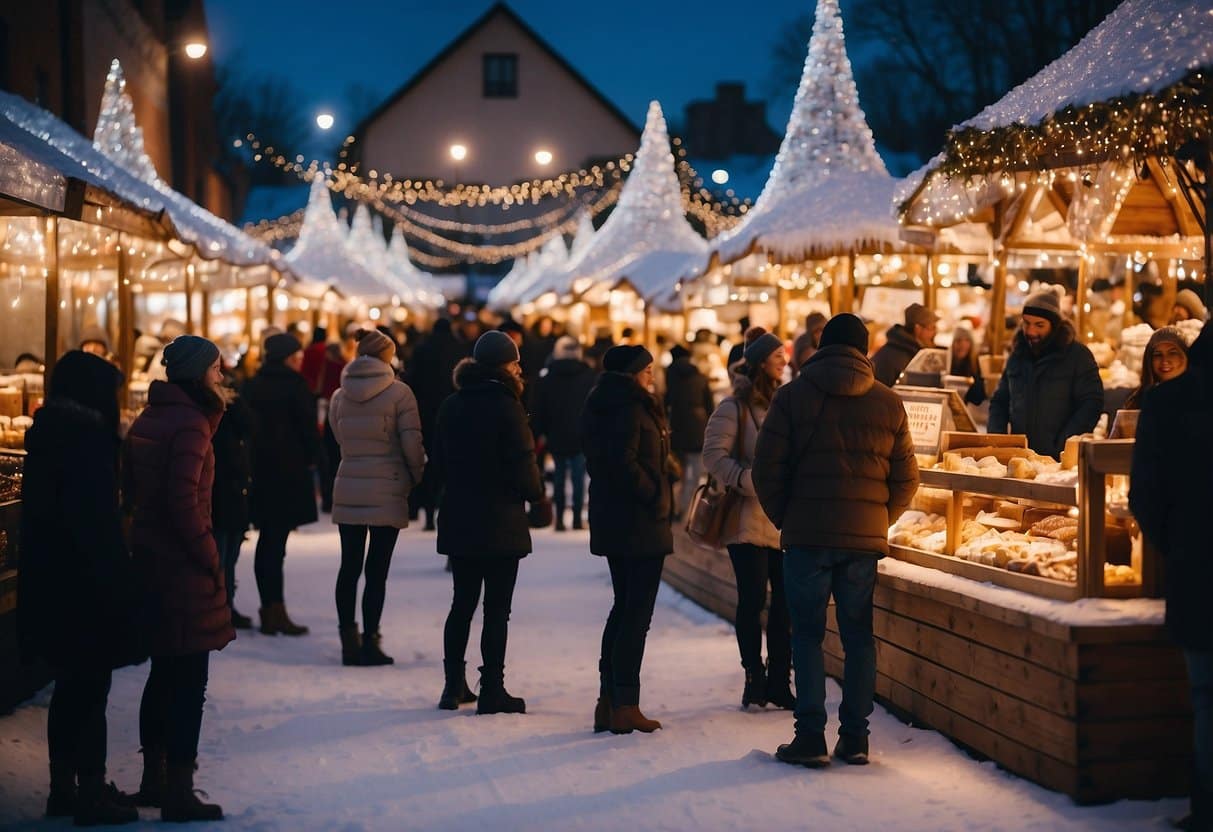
pixel 711 506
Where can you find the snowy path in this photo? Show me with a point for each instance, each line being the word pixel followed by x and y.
pixel 293 741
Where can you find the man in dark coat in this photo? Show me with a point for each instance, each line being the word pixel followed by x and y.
pixel 78 606
pixel 230 498
pixel 559 397
pixel 688 404
pixel 1050 389
pixel 430 378
pixel 903 343
pixel 834 467
pixel 484 453
pixel 623 431
pixel 1170 492
pixel 285 447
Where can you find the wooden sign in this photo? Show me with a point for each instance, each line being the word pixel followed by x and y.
pixel 931 411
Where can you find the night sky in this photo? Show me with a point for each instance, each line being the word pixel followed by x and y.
pixel 632 50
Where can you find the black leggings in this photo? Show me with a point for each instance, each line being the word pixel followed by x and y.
pixel 170 716
pixel 75 725
pixel 635 581
pixel 378 560
pixel 268 562
pixel 755 567
pixel 498 574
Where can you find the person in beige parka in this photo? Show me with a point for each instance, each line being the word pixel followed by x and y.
pixel 375 420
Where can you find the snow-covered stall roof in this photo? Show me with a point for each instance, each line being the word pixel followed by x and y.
pixel 544 269
pixel 420 282
pixel 829 188
pixel 649 217
pixel 556 278
pixel 367 247
pixel 500 297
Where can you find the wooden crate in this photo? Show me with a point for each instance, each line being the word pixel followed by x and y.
pixel 1099 713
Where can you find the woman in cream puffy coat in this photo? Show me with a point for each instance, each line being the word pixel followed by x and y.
pixel 375 420
pixel 753 541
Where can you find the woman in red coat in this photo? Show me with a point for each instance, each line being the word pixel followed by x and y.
pixel 169 469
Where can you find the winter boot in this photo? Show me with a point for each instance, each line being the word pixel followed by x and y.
pixel 274 620
pixel 494 698
pixel 560 520
pixel 628 718
pixel 351 645
pixel 807 750
pixel 602 714
pixel 372 654
pixel 155 779
pixel 455 692
pixel 100 804
pixel 181 803
pixel 779 688
pixel 578 525
pixel 61 802
pixel 755 691
pixel 852 750
pixel 241 622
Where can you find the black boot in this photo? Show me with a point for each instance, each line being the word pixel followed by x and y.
pixel 494 698
pixel 101 804
pixel 241 622
pixel 61 802
pixel 351 645
pixel 560 520
pixel 455 692
pixel 577 524
pixel 755 692
pixel 807 750
pixel 852 750
pixel 779 688
pixel 155 779
pixel 372 654
pixel 181 803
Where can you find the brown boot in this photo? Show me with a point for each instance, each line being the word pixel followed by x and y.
pixel 627 718
pixel 274 620
pixel 181 803
pixel 602 714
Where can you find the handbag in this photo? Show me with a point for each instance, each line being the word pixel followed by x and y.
pixel 711 507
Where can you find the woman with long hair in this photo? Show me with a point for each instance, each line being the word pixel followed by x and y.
pixel 964 363
pixel 627 446
pixel 374 419
pixel 752 540
pixel 168 477
pixel 484 453
pixel 1165 358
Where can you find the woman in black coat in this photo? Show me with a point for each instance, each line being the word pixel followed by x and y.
pixel 627 453
pixel 485 455
pixel 78 607
pixel 285 446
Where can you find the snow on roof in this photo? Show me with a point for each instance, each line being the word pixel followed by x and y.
pixel 648 217
pixel 420 282
pixel 542 271
pixel 366 246
pixel 1142 47
pixel 827 138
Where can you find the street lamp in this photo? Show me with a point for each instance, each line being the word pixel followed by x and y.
pixel 543 157
pixel 459 152
pixel 324 120
pixel 195 49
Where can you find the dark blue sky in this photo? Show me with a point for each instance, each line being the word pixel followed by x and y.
pixel 632 50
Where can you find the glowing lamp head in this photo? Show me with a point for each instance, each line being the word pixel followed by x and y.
pixel 543 157
pixel 324 120
pixel 195 49
pixel 459 152
pixel 720 176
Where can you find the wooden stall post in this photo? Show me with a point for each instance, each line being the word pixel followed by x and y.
pixel 51 335
pixel 205 313
pixel 126 319
pixel 1082 314
pixel 248 317
pixel 647 330
pixel 781 314
pixel 189 298
pixel 928 284
pixel 1128 319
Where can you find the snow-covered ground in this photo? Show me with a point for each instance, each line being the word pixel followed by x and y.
pixel 293 741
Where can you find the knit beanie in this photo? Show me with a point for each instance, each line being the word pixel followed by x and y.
pixel 280 347
pixel 846 330
pixel 93 334
pixel 1189 300
pixel 1044 304
pixel 567 347
pixel 758 350
pixel 495 348
pixel 188 357
pixel 373 342
pixel 626 359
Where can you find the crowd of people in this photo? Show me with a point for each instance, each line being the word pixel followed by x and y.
pixel 130 543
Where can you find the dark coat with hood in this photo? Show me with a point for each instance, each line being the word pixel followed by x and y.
pixel 1171 489
pixel 168 473
pixel 558 399
pixel 688 404
pixel 627 452
pixel 484 453
pixel 1050 396
pixel 233 468
pixel 891 360
pixel 285 445
pixel 78 606
pixel 834 466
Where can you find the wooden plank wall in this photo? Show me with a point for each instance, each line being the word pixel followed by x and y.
pixel 1097 713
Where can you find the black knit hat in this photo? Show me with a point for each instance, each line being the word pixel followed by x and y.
pixel 847 330
pixel 626 359
pixel 188 357
pixel 280 347
pixel 495 348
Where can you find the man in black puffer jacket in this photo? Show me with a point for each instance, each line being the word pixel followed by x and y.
pixel 688 404
pixel 558 399
pixel 902 343
pixel 1050 389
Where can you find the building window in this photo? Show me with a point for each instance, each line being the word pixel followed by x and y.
pixel 500 76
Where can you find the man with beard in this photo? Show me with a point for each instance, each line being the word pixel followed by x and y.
pixel 1051 388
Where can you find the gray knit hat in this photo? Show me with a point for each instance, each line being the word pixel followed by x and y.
pixel 495 348
pixel 1044 304
pixel 188 357
pixel 373 342
pixel 1190 301
pixel 758 350
pixel 567 347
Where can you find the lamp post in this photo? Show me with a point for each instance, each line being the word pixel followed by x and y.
pixel 458 153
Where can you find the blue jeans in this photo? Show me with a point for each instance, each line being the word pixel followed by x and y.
pixel 1200 676
pixel 572 467
pixel 811 576
pixel 228 543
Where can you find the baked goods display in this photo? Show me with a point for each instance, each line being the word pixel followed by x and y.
pixel 12 431
pixel 1016 463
